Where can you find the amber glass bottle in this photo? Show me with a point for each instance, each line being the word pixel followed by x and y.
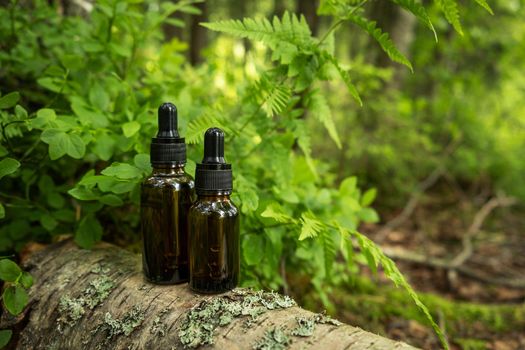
pixel 166 196
pixel 214 222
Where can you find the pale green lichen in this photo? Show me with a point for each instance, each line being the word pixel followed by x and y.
pixel 273 339
pixel 125 325
pixel 305 327
pixel 323 318
pixel 159 327
pixel 200 323
pixel 113 327
pixel 72 309
pixel 100 269
pixel 98 290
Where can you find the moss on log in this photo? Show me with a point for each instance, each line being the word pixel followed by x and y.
pixel 98 299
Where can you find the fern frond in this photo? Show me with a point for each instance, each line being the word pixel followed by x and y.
pixel 284 36
pixel 376 257
pixel 485 5
pixel 418 10
pixel 450 9
pixel 197 127
pixel 346 79
pixel 318 106
pixel 276 212
pixel 329 251
pixel 304 143
pixel 310 226
pixel 382 38
pixel 273 97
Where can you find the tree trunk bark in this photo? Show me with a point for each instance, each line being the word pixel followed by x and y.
pixel 309 9
pixel 198 34
pixel 99 300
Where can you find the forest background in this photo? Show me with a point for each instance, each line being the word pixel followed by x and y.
pixel 351 147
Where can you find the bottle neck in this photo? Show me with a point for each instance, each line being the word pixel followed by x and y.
pixel 168 170
pixel 214 196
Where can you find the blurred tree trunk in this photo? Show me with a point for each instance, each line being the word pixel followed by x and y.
pixel 198 34
pixel 238 10
pixel 309 9
pixel 171 31
pixel 278 8
pixel 400 25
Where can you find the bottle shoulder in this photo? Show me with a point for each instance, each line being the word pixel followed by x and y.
pixel 176 181
pixel 221 208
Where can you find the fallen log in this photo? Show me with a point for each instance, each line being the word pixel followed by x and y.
pixel 98 299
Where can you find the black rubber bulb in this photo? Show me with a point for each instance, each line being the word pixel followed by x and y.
pixel 213 146
pixel 168 121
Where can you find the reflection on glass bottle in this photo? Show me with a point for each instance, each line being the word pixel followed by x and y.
pixel 166 196
pixel 214 222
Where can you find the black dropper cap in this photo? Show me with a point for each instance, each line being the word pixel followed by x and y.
pixel 167 148
pixel 213 174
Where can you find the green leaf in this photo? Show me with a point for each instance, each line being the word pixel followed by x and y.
pixel 485 5
pixel 104 146
pixel 89 232
pixel 2 211
pixel 43 117
pixel 276 212
pixel 20 112
pixel 329 251
pixel 122 171
pixel 111 199
pixel 26 280
pixel 392 272
pixel 48 222
pixel 382 38
pixel 318 106
pixel 142 161
pixel 368 197
pixel 15 299
pixel 9 100
pixel 99 97
pixel 8 166
pixel 450 9
pixel 348 186
pixel 419 11
pixel 253 249
pixel 3 151
pixel 197 127
pixel 368 215
pixel 58 142
pixel 285 36
pixel 130 128
pixel 86 115
pixel 346 79
pixel 75 146
pixel 83 194
pixel 5 337
pixel 9 270
pixel 303 140
pixel 310 226
pixel 273 97
pixel 55 200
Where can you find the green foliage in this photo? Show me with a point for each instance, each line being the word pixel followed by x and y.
pixel 418 10
pixel 14 296
pixel 8 166
pixel 450 9
pixel 5 337
pixel 382 38
pixel 74 151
